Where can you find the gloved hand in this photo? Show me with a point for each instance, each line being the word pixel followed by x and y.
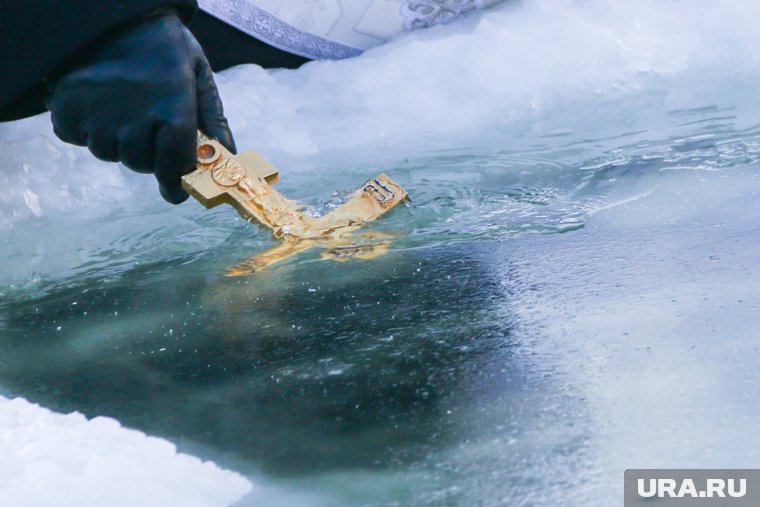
pixel 139 97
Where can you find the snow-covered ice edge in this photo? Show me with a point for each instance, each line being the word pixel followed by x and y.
pixel 65 460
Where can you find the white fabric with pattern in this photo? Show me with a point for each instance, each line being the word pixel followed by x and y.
pixel 334 29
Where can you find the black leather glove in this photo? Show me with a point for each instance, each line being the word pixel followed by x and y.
pixel 138 97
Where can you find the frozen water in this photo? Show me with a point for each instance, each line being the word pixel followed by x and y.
pixel 525 70
pixel 572 291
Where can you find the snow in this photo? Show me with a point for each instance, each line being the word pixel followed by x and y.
pixel 65 460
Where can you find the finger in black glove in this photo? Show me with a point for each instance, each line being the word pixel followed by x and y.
pixel 138 97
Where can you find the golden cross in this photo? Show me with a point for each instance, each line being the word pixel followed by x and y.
pixel 244 181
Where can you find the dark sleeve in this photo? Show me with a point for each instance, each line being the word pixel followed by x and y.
pixel 226 46
pixel 39 36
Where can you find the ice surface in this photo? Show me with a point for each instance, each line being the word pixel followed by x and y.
pixel 523 70
pixel 65 460
pixel 538 66
pixel 489 360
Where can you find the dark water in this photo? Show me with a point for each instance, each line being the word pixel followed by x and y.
pixel 359 359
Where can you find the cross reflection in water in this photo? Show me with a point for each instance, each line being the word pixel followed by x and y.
pixel 308 367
